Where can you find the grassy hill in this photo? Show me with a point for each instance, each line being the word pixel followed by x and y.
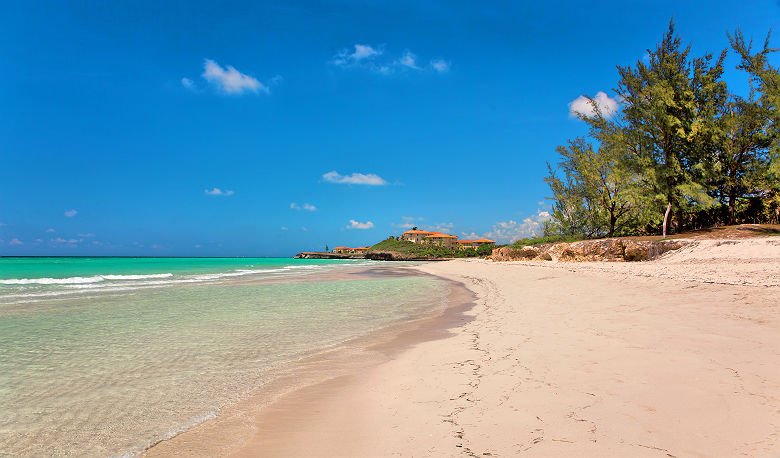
pixel 428 250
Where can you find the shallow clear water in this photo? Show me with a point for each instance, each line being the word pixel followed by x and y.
pixel 144 348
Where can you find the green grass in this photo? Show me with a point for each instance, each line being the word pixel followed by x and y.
pixel 428 249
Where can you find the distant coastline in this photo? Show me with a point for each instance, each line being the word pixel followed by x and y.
pixel 326 255
pixel 412 245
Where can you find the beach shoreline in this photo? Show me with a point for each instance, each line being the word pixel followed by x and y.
pixel 228 432
pixel 108 357
pixel 554 359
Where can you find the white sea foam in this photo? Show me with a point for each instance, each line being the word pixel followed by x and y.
pixel 111 282
pixel 78 280
pixel 87 282
pixel 236 273
pixel 136 277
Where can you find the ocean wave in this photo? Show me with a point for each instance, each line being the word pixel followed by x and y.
pixel 112 282
pixel 235 273
pixel 78 280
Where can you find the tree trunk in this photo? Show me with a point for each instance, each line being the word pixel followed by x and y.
pixel 680 220
pixel 666 217
pixel 612 221
pixel 732 206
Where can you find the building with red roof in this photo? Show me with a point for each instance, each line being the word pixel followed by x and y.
pixel 415 236
pixel 446 240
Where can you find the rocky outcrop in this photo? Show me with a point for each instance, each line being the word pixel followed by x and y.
pixel 326 255
pixel 645 251
pixel 528 252
pixel 387 255
pixel 511 254
pixel 589 250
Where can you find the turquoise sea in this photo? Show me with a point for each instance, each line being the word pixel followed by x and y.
pixel 105 356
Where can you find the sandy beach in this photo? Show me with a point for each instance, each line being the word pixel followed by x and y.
pixel 674 357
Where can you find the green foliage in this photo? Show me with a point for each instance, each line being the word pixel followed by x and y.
pixel 667 106
pixel 596 193
pixel 766 81
pixel 680 141
pixel 481 251
pixel 429 249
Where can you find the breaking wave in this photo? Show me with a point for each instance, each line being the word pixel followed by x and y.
pixel 79 280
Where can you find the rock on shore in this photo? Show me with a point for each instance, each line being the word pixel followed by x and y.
pixel 589 250
pixel 326 255
pixel 387 255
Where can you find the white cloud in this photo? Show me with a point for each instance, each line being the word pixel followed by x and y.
pixel 284 228
pixel 408 59
pixel 230 80
pixel 196 246
pixel 364 51
pixel 218 192
pixel 38 240
pixel 373 58
pixel 276 80
pixel 15 241
pixel 408 222
pixel 358 225
pixel 440 227
pixel 440 65
pixel 355 178
pixel 70 213
pixel 88 234
pixel 188 83
pixel 304 229
pixel 583 106
pixel 509 231
pixel 61 240
pixel 307 206
pixel 3 224
pixel 49 230
pixel 345 58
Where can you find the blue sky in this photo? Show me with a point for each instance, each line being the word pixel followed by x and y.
pixel 231 128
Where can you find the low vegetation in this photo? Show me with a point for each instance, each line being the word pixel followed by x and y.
pixel 429 249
